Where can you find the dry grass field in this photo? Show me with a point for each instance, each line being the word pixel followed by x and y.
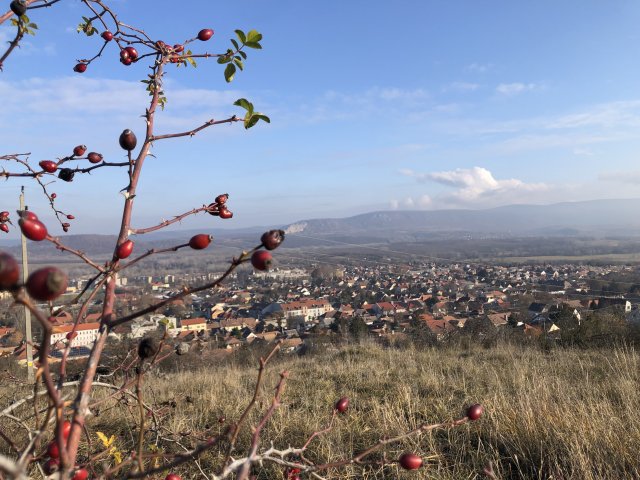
pixel 563 414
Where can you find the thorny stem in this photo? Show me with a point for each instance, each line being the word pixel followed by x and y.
pixel 60 246
pixel 82 399
pixel 9 13
pixel 14 43
pixel 191 133
pixel 80 405
pixel 166 223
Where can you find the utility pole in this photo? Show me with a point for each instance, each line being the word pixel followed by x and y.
pixel 27 313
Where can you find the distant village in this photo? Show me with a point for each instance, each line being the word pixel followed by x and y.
pixel 300 305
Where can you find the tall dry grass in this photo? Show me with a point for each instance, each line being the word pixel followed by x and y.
pixel 563 414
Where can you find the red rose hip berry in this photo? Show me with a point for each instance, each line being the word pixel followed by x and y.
pixel 272 239
pixel 475 411
pixel 48 166
pixel 19 7
pixel 80 68
pixel 261 260
pixel 94 157
pixel 124 249
pixel 200 241
pixel 47 284
pixel 128 140
pixel 80 474
pixel 132 53
pixel 33 229
pixel 205 34
pixel 9 271
pixel 107 36
pixel 410 461
pixel 79 150
pixel 224 212
pixel 173 476
pixel 222 198
pixel 342 405
pixel 66 429
pixel 53 450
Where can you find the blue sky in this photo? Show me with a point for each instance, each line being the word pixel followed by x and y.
pixel 374 105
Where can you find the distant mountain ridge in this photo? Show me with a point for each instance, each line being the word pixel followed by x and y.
pixel 595 217
pixel 590 218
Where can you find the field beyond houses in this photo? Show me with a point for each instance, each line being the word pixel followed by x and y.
pixel 561 414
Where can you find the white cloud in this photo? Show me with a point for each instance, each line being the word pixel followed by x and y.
pixel 410 203
pixel 607 115
pixel 477 185
pixel 376 94
pixel 479 67
pixel 335 105
pixel 87 105
pixel 512 89
pixel 462 87
pixel 78 94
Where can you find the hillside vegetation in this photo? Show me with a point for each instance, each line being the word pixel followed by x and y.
pixel 562 414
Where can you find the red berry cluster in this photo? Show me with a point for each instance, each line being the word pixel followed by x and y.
pixel 219 207
pixel 262 259
pixel 4 220
pixel 53 452
pixel 129 54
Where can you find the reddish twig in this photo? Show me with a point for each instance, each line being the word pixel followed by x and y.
pixel 166 223
pixel 61 246
pixel 191 133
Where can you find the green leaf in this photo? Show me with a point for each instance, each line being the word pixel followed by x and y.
pixel 244 103
pixel 253 37
pixel 229 72
pixel 238 62
pixel 262 117
pixel 235 44
pixel 223 59
pixel 250 121
pixel 189 59
pixel 241 36
pixel 255 45
pixel 242 54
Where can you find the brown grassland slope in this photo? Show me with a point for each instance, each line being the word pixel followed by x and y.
pixel 562 414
